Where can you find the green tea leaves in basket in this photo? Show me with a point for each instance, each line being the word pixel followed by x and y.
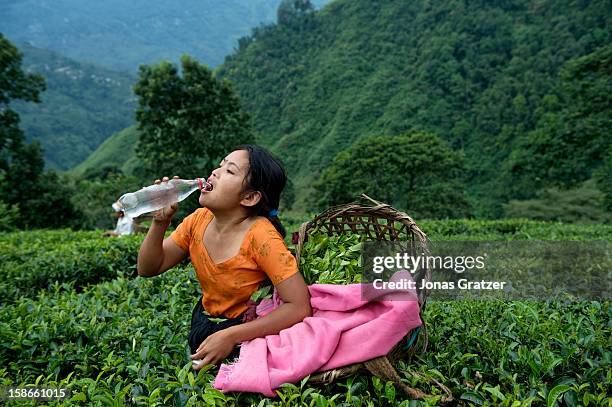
pixel 331 259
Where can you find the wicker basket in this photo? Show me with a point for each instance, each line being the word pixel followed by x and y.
pixel 376 221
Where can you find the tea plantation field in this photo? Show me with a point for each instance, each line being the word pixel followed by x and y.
pixel 76 316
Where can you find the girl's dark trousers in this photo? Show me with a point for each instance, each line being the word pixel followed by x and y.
pixel 202 327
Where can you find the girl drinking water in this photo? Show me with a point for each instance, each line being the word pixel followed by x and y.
pixel 235 242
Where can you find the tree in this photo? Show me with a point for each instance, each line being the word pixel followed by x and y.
pixel 186 123
pixel 14 84
pixel 416 172
pixel 291 11
pixel 37 199
pixel 569 142
pixel 95 195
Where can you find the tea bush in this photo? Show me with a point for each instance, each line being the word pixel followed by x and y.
pixel 124 341
pixel 34 265
pixel 512 229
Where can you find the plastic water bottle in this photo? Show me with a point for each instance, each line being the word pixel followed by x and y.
pixel 157 196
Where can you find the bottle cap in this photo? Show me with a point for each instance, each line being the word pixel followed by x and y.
pixel 200 183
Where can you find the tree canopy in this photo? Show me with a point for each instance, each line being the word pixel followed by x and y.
pixel 186 123
pixel 488 77
pixel 36 199
pixel 416 172
pixel 570 139
pixel 15 84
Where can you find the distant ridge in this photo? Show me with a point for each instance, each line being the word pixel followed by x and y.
pixel 82 106
pixel 124 34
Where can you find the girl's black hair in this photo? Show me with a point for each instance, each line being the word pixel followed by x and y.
pixel 266 175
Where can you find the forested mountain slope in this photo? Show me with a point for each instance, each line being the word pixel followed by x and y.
pixel 82 106
pixel 123 34
pixel 498 80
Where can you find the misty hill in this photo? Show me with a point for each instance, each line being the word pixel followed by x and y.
pixel 123 34
pixel 116 151
pixel 82 106
pixel 486 76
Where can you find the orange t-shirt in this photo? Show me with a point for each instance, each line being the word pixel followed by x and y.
pixel 227 286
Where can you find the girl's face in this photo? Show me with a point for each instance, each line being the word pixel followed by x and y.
pixel 227 182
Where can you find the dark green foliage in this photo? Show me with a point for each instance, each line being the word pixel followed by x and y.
pixel 15 84
pixel 293 12
pixel 83 105
pixel 125 341
pixel 94 196
pixel 581 204
pixel 187 122
pixel 79 263
pixel 103 172
pixel 41 198
pixel 415 172
pixel 288 196
pixel 481 75
pixel 9 216
pixel 604 180
pixel 573 132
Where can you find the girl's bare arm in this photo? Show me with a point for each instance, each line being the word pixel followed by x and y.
pixel 157 254
pixel 296 306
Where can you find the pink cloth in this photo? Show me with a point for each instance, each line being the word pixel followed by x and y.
pixel 343 330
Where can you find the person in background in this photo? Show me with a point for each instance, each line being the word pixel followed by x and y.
pixel 126 225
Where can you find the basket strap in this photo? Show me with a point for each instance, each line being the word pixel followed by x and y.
pixel 382 368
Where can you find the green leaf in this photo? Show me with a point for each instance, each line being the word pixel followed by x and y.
pixel 495 392
pixel 79 397
pixel 390 391
pixel 555 393
pixel 472 397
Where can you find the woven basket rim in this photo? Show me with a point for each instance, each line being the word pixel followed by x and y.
pixel 362 206
pixel 365 206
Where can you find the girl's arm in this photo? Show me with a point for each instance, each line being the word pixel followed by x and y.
pixel 157 254
pixel 296 306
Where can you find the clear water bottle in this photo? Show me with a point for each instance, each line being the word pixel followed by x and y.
pixel 157 196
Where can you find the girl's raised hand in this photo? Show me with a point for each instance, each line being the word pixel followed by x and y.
pixel 164 215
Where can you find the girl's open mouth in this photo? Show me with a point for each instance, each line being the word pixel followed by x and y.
pixel 208 187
